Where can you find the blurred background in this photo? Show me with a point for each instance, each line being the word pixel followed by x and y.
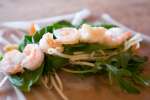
pixel 133 13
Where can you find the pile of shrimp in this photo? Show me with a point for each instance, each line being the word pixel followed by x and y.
pixel 32 56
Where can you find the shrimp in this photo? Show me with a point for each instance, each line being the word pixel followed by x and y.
pixel 33 57
pixel 11 63
pixel 112 37
pixel 115 36
pixel 67 35
pixel 48 42
pixel 90 34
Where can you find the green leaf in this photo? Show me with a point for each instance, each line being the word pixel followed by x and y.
pixel 139 59
pixel 108 26
pixel 85 47
pixel 38 35
pixel 124 59
pixel 119 74
pixel 26 40
pixel 124 72
pixel 53 63
pixel 61 24
pixel 112 69
pixel 118 71
pixel 127 86
pixel 141 80
pixel 25 80
pixel 136 63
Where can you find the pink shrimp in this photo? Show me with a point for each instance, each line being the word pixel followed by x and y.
pixel 112 37
pixel 90 34
pixel 67 35
pixel 11 63
pixel 47 42
pixel 33 57
pixel 115 37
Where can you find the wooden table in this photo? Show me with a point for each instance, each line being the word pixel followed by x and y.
pixel 133 13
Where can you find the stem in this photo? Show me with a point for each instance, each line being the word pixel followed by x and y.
pixel 77 72
pixel 58 81
pixel 110 77
pixel 57 88
pixel 83 63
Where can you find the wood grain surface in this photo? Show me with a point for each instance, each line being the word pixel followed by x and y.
pixel 133 13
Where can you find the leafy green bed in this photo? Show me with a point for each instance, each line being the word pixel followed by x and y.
pixel 124 67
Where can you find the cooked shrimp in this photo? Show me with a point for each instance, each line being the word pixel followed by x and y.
pixel 48 42
pixel 115 37
pixel 33 57
pixel 11 63
pixel 67 35
pixel 90 34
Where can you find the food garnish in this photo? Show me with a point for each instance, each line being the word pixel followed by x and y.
pixel 103 50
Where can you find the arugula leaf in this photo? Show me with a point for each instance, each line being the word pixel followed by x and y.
pixel 25 80
pixel 108 26
pixel 61 24
pixel 127 86
pixel 136 63
pixel 124 58
pixel 83 47
pixel 124 72
pixel 26 40
pixel 140 80
pixel 112 69
pixel 38 35
pixel 139 59
pixel 53 63
pixel 119 74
